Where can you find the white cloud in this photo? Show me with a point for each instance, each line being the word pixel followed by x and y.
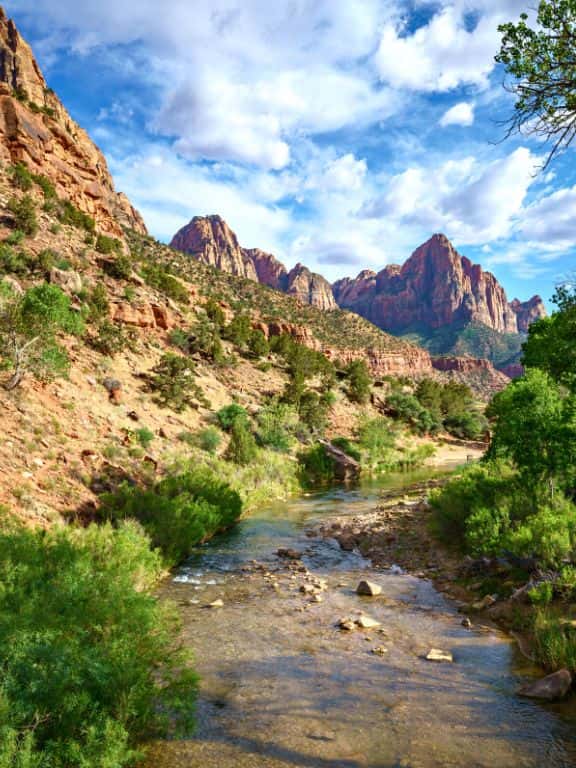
pixel 549 221
pixel 444 53
pixel 460 114
pixel 471 203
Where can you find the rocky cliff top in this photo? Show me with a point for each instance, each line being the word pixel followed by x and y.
pixel 36 129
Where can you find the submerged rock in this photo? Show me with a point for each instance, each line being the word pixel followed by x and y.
pixel 368 588
pixel 367 622
pixel 435 654
pixel 549 688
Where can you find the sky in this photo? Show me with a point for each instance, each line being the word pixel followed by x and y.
pixel 338 133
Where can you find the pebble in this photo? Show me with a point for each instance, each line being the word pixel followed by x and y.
pixel 435 654
pixel 216 604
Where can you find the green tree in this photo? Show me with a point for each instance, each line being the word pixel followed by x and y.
pixel 550 344
pixel 173 381
pixel 29 326
pixel 23 211
pixel 258 344
pixel 242 447
pixel 238 330
pixel 230 414
pixel 359 381
pixel 541 64
pixel 215 313
pixel 535 427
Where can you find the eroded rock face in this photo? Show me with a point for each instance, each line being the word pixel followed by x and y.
pixel 37 130
pixel 210 240
pixel 435 288
pixel 527 312
pixel 310 288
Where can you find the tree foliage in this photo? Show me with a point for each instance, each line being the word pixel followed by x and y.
pixel 540 59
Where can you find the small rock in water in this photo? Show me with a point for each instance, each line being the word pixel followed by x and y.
pixel 466 623
pixel 486 602
pixel 549 688
pixel 316 599
pixel 216 603
pixel 366 622
pixel 289 554
pixel 368 588
pixel 346 624
pixel 435 654
pixel 380 650
pixel 308 589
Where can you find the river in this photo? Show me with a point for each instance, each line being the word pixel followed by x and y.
pixel 283 686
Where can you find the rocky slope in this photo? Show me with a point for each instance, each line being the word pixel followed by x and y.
pixel 37 130
pixel 210 240
pixel 436 288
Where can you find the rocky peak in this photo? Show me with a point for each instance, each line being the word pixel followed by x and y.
pixel 527 312
pixel 435 288
pixel 210 239
pixel 310 288
pixel 36 129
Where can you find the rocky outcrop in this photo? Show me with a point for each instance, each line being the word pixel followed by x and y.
pixel 310 288
pixel 512 370
pixel 36 129
pixel 435 288
pixel 210 240
pixel 141 315
pixel 527 312
pixel 478 373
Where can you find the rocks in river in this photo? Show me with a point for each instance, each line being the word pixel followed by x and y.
pixel 436 654
pixel 309 589
pixel 466 623
pixel 368 588
pixel 380 650
pixel 549 688
pixel 367 622
pixel 289 554
pixel 216 603
pixel 317 599
pixel 347 542
pixel 486 602
pixel 347 624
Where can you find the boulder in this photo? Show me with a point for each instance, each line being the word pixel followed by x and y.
pixel 67 279
pixel 289 554
pixel 368 588
pixel 549 688
pixel 367 622
pixel 435 654
pixel 347 624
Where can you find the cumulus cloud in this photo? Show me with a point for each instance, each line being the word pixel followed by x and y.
pixel 460 114
pixel 474 204
pixel 550 220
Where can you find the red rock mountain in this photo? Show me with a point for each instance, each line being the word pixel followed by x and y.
pixel 37 130
pixel 435 288
pixel 210 240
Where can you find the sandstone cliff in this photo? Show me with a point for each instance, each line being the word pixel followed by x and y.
pixel 37 130
pixel 435 288
pixel 210 240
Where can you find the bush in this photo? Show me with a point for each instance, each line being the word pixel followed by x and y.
pixel 554 643
pixel 276 426
pixel 120 268
pixel 12 262
pixel 359 381
pixel 29 325
pixel 108 245
pixel 98 304
pixel 317 467
pixel 313 410
pixel 48 189
pixel 69 214
pixel 159 278
pixel 258 344
pixel 209 439
pixel 377 443
pixel 179 512
pixel 242 446
pixel 467 426
pixel 110 339
pixel 239 330
pixel 144 436
pixel 348 447
pixel 23 211
pixel 87 652
pixel 229 414
pixel 21 177
pixel 173 382
pixel 407 408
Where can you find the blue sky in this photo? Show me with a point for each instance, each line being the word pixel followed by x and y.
pixel 339 133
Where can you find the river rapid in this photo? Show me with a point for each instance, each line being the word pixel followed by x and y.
pixel 283 686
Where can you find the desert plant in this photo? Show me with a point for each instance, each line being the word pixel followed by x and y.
pixel 24 214
pixel 173 382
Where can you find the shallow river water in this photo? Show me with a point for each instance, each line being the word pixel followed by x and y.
pixel 282 686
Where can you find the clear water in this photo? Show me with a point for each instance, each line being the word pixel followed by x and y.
pixel 282 686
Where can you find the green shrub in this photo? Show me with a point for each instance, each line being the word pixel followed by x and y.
pixel 549 534
pixel 13 262
pixel 110 339
pixel 120 268
pixel 407 408
pixel 313 411
pixel 467 426
pixel 48 189
pixel 156 276
pixel 346 445
pixel 242 446
pixel 108 245
pixel 98 303
pixel 276 426
pixel 377 443
pixel 554 641
pixel 179 512
pixel 15 238
pixel 258 344
pixel 359 381
pixel 239 330
pixel 541 594
pixel 23 211
pixel 208 439
pixel 316 466
pixel 144 436
pixel 21 177
pixel 89 666
pixel 173 382
pixel 74 217
pixel 215 313
pixel 229 414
